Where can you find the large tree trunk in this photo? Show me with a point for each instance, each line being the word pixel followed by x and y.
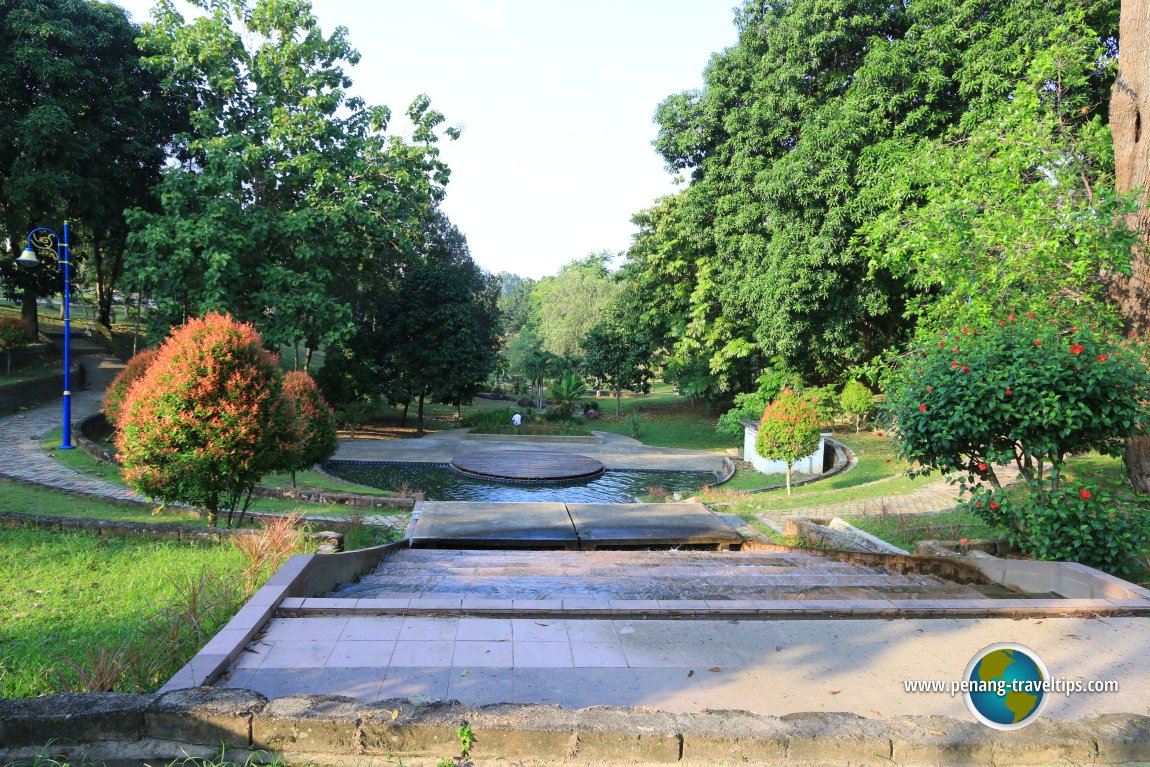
pixel 1129 121
pixel 28 311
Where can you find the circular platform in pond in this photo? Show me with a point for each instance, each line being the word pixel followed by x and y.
pixel 527 465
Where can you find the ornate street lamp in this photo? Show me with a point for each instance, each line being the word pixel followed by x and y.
pixel 41 239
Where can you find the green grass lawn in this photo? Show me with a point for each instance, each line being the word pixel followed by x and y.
pixel 665 420
pixel 66 595
pixel 904 529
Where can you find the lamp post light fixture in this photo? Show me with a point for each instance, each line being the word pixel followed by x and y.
pixel 41 239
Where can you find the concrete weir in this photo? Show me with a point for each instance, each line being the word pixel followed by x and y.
pixel 571 526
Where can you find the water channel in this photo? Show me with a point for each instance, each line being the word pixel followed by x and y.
pixel 440 482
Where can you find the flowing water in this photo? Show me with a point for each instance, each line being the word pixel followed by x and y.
pixel 440 482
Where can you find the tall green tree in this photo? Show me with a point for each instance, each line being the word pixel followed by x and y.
pixel 568 304
pixel 799 138
pixel 83 134
pixel 444 340
pixel 1019 211
pixel 515 301
pixel 291 195
pixel 618 351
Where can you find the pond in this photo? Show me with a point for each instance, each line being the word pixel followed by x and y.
pixel 439 482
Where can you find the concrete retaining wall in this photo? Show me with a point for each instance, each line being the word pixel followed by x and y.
pixel 328 730
pixel 27 393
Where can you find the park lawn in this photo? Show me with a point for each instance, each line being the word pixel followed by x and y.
pixel 750 479
pixel 666 419
pixel 69 594
pixel 903 530
pixel 45 367
pixel 21 498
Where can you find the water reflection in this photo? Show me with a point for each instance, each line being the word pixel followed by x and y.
pixel 439 482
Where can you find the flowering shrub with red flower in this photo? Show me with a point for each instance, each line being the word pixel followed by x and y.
pixel 1036 392
pixel 788 431
pixel 315 421
pixel 207 419
pixel 118 390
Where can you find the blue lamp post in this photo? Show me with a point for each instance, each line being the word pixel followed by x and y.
pixel 41 239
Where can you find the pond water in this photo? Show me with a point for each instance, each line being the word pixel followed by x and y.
pixel 439 482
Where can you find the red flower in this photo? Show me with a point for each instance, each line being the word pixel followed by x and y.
pixel 1073 328
pixel 1009 392
pixel 941 344
pixel 1010 316
pixel 993 505
pixel 965 331
pixel 922 408
pixel 1102 357
pixel 1077 349
pixel 929 389
pixel 981 466
pixel 964 540
pixel 1002 323
pixel 879 432
pixel 1037 342
pixel 978 504
pixel 965 369
pixel 953 364
pixel 1085 494
pixel 955 349
pixel 1030 315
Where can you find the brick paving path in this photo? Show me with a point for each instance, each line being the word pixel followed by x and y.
pixel 933 495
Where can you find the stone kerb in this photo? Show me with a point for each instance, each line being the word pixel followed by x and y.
pixel 325 730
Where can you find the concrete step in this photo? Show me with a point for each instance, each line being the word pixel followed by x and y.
pixel 661 575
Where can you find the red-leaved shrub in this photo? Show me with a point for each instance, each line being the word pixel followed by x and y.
pixel 208 418
pixel 315 421
pixel 118 390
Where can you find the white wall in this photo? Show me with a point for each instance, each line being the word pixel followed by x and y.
pixel 811 464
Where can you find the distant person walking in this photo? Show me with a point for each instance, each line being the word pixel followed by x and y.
pixel 516 421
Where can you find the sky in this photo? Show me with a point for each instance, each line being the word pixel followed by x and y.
pixel 556 102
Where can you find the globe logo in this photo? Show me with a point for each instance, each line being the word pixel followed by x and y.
pixel 1006 686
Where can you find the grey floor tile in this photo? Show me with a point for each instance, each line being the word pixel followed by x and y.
pixel 428 652
pixel 497 629
pixel 362 628
pixel 543 655
pixel 304 628
pixel 598 655
pixel 591 631
pixel 298 653
pixel 419 629
pixel 481 686
pixel 415 682
pixel 607 687
pixel 362 654
pixel 482 654
pixel 546 685
pixel 544 630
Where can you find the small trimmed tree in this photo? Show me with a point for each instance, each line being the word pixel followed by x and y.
pixel 13 333
pixel 118 390
pixel 315 422
pixel 788 431
pixel 857 400
pixel 207 419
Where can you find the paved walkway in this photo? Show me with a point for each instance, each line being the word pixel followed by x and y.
pixel 22 457
pixel 614 452
pixel 772 667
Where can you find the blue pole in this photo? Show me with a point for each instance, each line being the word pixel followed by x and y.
pixel 65 258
